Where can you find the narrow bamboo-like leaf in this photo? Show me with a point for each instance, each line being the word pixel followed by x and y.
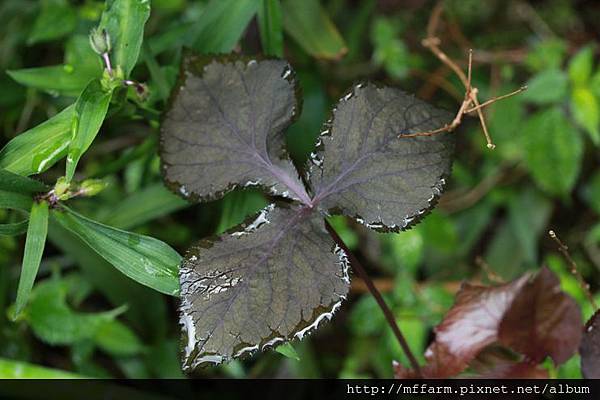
pixel 222 24
pixel 89 113
pixel 64 80
pixel 225 128
pixel 144 259
pixel 142 206
pixel 11 369
pixel 124 21
pixel 39 148
pixel 13 229
pixel 34 248
pixel 12 182
pixel 365 169
pixel 146 307
pixel 262 284
pixel 311 27
pixel 157 74
pixel 15 201
pixel 271 27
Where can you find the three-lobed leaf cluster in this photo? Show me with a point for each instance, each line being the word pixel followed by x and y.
pixel 276 277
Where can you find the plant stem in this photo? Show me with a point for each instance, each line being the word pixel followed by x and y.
pixel 389 316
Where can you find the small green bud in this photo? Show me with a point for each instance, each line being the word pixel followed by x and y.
pixel 100 41
pixel 61 188
pixel 91 187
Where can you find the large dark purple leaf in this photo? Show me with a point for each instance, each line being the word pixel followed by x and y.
pixel 590 348
pixel 224 128
pixel 542 321
pixel 269 281
pixel 363 170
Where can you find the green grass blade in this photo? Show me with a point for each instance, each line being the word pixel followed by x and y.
pixel 222 24
pixel 90 110
pixel 65 80
pixel 144 259
pixel 143 206
pixel 124 20
pixel 39 148
pixel 15 201
pixel 13 229
pixel 34 248
pixel 11 369
pixel 311 27
pixel 271 27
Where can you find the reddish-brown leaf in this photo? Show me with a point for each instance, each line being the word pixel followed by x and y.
pixel 542 321
pixel 590 348
pixel 469 326
pixel 496 362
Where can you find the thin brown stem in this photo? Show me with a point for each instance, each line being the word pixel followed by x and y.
pixel 495 99
pixel 389 316
pixel 564 250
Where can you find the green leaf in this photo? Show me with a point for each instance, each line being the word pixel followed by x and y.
pixel 34 248
pixel 142 206
pixel 15 201
pixel 39 148
pixel 146 307
pixel 580 66
pixel 124 21
pixel 56 19
pixel 308 23
pixel 144 259
pixel 548 86
pixel 586 112
pixel 222 24
pixel 90 110
pixel 288 350
pixel 553 151
pixel 65 80
pixel 159 78
pixel 118 339
pixel 10 369
pixel 548 54
pixel 52 319
pixel 12 182
pixel 13 229
pixel 271 27
pixel 591 192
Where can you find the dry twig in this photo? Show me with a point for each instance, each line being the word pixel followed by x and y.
pixel 470 102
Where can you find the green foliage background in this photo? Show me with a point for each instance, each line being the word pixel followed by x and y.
pixel 85 317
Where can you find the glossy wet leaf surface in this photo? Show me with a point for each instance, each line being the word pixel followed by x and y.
pixel 366 172
pixel 225 128
pixel 269 281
